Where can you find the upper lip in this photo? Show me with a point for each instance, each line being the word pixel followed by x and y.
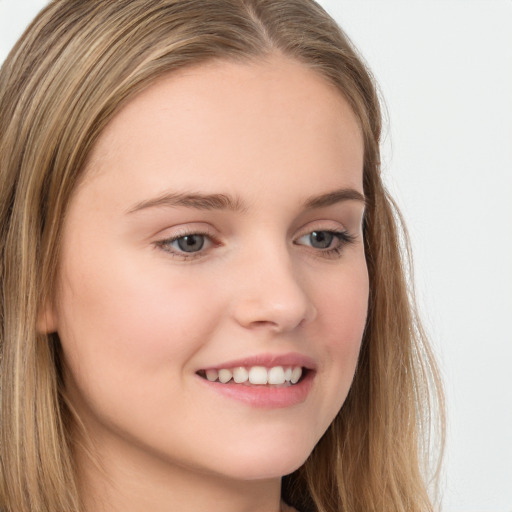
pixel 268 361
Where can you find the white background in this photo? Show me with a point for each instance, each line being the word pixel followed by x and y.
pixel 445 71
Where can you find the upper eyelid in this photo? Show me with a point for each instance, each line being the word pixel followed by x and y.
pixel 174 232
pixel 213 233
pixel 177 236
pixel 332 226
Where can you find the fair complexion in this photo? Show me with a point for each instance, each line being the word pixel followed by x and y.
pixel 158 284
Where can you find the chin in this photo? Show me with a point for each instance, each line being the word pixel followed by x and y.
pixel 270 463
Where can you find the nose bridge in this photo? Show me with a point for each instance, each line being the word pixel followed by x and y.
pixel 270 292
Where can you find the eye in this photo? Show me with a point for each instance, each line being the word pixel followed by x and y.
pixel 320 239
pixel 186 245
pixel 326 241
pixel 189 243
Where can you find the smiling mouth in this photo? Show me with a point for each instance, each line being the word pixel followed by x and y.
pixel 279 376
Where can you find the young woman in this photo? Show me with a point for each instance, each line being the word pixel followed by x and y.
pixel 204 303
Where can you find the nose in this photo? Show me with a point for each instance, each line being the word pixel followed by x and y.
pixel 272 294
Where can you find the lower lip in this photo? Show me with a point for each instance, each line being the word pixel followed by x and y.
pixel 265 397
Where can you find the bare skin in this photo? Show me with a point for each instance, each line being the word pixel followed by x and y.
pixel 278 270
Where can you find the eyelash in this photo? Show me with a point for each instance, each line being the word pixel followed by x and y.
pixel 166 243
pixel 344 238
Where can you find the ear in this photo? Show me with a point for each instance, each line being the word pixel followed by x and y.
pixel 47 319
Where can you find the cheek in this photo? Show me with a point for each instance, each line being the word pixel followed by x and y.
pixel 128 337
pixel 343 309
pixel 129 318
pixel 344 305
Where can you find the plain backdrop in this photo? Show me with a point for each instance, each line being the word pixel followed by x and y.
pixel 445 72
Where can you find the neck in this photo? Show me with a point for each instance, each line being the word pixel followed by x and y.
pixel 138 482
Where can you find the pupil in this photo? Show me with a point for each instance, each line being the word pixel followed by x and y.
pixel 191 243
pixel 321 239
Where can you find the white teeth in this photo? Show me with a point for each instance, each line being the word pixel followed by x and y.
pixel 212 375
pixel 296 375
pixel 225 376
pixel 257 375
pixel 240 375
pixel 276 375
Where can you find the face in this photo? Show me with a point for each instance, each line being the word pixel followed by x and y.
pixel 216 236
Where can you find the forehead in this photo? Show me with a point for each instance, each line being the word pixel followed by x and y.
pixel 218 120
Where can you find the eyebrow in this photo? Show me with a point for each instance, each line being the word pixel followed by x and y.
pixel 334 197
pixel 193 200
pixel 226 202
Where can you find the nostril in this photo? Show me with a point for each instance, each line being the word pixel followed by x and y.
pixel 262 323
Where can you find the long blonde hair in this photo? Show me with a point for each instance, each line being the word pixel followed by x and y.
pixel 77 64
